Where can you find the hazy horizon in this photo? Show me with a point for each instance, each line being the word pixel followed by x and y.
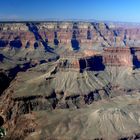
pixel 100 10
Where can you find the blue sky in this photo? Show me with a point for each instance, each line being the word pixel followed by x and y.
pixel 112 10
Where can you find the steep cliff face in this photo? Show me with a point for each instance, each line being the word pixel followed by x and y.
pixel 72 34
pixel 118 57
pixel 91 60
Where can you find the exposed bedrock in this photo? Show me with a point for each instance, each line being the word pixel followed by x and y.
pixel 65 87
pixel 83 79
pixel 92 61
pixel 75 35
pixel 62 80
pixel 73 81
pixel 117 57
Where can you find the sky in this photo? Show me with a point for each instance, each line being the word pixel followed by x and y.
pixel 104 10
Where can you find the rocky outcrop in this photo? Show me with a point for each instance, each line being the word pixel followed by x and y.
pixel 117 57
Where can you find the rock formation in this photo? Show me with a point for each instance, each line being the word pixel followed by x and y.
pixel 117 57
pixel 69 80
pixel 86 34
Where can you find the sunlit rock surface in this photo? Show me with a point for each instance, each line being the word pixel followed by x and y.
pixel 70 80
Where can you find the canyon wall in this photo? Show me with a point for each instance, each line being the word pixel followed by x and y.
pixel 117 56
pixel 73 34
pixel 65 67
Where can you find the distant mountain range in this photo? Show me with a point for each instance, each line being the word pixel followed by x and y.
pixel 71 20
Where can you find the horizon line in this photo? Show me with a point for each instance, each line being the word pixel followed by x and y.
pixel 64 20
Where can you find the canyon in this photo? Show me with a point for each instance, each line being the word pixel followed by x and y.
pixel 70 80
